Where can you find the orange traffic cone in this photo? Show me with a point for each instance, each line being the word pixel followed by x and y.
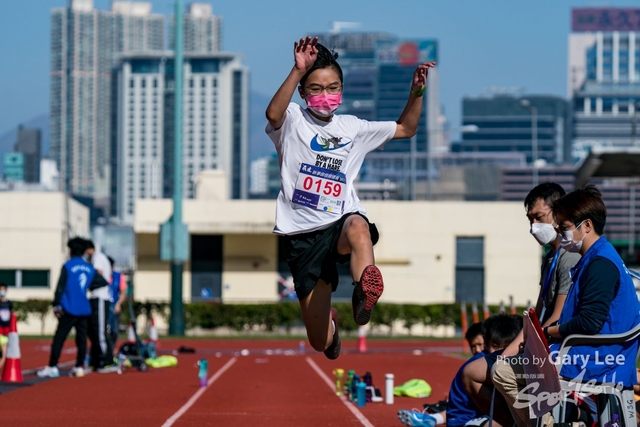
pixel 131 336
pixel 362 340
pixel 153 332
pixel 12 371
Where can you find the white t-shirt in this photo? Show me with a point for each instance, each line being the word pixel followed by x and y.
pixel 319 162
pixel 102 263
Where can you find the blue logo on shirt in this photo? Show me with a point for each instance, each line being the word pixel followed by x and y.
pixel 319 143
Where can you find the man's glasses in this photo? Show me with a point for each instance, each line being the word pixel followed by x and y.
pixel 317 89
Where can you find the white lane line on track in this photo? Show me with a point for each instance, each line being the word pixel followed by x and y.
pixel 197 394
pixel 350 406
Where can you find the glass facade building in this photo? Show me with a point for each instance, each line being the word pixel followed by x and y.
pixel 378 68
pixel 505 126
pixel 604 77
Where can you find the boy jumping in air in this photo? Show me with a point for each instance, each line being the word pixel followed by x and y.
pixel 317 210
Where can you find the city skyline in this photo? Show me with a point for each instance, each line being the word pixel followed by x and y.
pixel 522 45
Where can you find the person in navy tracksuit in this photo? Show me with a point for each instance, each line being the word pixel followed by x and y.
pixel 71 306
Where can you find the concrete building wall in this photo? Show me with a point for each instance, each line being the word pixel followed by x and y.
pixel 416 251
pixel 34 233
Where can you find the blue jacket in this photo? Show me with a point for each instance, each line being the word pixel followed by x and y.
pixel 76 278
pixel 624 315
pixel 114 286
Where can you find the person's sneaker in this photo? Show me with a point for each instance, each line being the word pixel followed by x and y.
pixel 415 418
pixel 48 371
pixel 366 294
pixel 333 351
pixel 435 408
pixel 107 369
pixel 77 372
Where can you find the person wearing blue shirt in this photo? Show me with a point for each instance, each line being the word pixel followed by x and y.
pixel 602 300
pixel 498 331
pixel 71 307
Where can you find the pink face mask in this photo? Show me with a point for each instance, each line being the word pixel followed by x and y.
pixel 324 104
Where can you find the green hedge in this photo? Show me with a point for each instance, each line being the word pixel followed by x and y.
pixel 267 317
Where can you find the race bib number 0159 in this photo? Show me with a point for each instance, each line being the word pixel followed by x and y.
pixel 321 189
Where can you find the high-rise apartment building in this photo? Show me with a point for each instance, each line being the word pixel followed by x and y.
pixel 214 133
pixel 604 77
pixel 29 143
pixel 202 30
pixel 378 68
pixel 86 44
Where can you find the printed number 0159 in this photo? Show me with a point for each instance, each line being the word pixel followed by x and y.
pixel 329 188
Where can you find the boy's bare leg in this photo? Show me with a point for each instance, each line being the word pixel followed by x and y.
pixel 355 239
pixel 316 314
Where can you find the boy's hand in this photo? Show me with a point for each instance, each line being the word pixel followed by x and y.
pixel 305 53
pixel 116 308
pixel 420 75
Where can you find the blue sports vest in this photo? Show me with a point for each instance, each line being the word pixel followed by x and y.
pixel 460 408
pixel 79 277
pixel 114 287
pixel 624 314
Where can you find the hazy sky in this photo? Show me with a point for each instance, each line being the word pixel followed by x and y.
pixel 482 43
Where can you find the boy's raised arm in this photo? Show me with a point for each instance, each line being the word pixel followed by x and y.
pixel 305 54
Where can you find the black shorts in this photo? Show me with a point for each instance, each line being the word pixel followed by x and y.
pixel 313 256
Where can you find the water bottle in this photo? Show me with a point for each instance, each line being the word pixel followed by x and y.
pixel 362 393
pixel 86 362
pixel 339 374
pixel 301 347
pixel 368 381
pixel 388 392
pixel 202 375
pixel 347 385
pixel 354 387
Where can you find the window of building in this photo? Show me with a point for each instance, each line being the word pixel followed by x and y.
pixel 191 84
pixel 155 85
pixel 20 278
pixel 469 269
pixel 132 83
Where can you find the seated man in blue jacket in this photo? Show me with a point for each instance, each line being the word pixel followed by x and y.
pixel 71 306
pixel 602 300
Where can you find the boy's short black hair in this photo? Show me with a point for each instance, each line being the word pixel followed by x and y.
pixel 547 191
pixel 325 59
pixel 473 331
pixel 77 246
pixel 89 244
pixel 111 261
pixel 500 329
pixel 581 204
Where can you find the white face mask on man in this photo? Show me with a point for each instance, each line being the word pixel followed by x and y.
pixel 543 233
pixel 567 243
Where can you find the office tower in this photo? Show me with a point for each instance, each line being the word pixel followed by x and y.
pixel 604 77
pixel 29 143
pixel 506 126
pixel 378 68
pixel 85 46
pixel 215 125
pixel 202 30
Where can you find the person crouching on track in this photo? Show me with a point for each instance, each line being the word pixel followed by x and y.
pixel 72 308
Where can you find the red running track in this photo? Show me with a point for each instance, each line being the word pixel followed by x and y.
pixel 254 389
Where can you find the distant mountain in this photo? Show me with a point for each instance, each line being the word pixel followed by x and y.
pixel 8 139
